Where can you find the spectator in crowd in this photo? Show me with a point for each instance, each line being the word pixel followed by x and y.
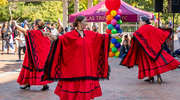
pixel 12 26
pixel 170 24
pixel 48 29
pixel 21 44
pixel 160 23
pixel 170 40
pixel 10 39
pixel 54 30
pixel 68 29
pixel 60 23
pixel 16 35
pixel 60 30
pixel 124 49
pixel 128 40
pixel 5 37
pixel 25 22
pixel 48 24
pixel 94 28
pixel 178 34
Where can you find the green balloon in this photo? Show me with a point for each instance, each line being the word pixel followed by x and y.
pixel 114 49
pixel 119 22
pixel 114 57
pixel 119 40
pixel 113 31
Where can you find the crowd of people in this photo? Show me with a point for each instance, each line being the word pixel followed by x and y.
pixel 13 40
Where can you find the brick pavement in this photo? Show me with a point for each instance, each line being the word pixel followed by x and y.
pixel 123 84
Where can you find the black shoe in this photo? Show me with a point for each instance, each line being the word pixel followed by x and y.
pixel 27 86
pixel 45 87
pixel 18 60
pixel 150 79
pixel 159 79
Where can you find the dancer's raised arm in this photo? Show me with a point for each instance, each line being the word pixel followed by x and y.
pixel 119 35
pixel 20 28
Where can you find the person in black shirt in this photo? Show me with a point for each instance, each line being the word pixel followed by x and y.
pixel 124 49
pixel 5 31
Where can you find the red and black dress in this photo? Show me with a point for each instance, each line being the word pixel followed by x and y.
pixel 146 51
pixel 78 63
pixel 37 49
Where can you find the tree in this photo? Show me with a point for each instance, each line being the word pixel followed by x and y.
pixel 3 2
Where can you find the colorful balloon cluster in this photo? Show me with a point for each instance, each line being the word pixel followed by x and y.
pixel 155 17
pixel 113 20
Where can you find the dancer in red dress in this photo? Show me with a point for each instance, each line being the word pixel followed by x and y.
pixel 146 51
pixel 38 47
pixel 78 59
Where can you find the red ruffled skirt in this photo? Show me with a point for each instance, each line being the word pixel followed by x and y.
pixel 149 68
pixel 31 77
pixel 78 90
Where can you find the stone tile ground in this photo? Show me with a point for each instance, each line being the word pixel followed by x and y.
pixel 123 84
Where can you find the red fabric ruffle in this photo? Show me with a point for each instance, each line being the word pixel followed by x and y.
pixel 78 90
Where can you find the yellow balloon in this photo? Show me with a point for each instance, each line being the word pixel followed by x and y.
pixel 156 15
pixel 113 13
pixel 111 45
pixel 117 54
pixel 117 38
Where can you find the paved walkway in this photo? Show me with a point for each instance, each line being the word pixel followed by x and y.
pixel 123 84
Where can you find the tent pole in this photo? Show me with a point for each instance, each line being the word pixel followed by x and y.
pixel 173 35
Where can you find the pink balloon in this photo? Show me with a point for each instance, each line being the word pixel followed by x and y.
pixel 118 49
pixel 114 22
pixel 119 12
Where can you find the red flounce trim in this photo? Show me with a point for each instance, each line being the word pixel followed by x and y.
pixel 31 77
pixel 150 68
pixel 78 90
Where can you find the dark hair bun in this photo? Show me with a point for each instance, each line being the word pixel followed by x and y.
pixel 40 23
pixel 78 19
pixel 75 24
pixel 146 20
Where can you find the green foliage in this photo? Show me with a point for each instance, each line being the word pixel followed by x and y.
pixel 3 2
pixel 52 10
pixel 48 11
pixel 149 5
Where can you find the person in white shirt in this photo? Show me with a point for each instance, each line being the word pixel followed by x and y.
pixel 22 44
pixel 54 30
pixel 48 24
pixel 178 35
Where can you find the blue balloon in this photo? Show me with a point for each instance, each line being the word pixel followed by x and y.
pixel 117 17
pixel 114 40
pixel 119 31
pixel 117 45
pixel 117 27
pixel 110 26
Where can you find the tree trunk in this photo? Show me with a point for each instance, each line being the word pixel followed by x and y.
pixel 10 11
